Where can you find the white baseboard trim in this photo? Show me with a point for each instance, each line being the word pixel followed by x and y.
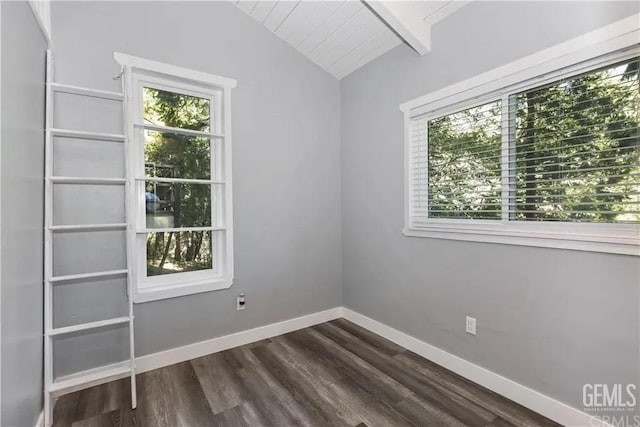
pixel 536 401
pixel 202 348
pixel 40 420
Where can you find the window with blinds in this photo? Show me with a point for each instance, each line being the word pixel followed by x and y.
pixel 568 151
pixel 577 148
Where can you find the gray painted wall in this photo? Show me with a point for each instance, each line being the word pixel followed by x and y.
pixel 286 172
pixel 549 319
pixel 22 171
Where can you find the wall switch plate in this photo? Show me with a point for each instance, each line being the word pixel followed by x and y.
pixel 471 325
pixel 241 302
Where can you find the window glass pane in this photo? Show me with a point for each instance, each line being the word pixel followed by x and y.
pixel 176 110
pixel 170 155
pixel 175 205
pixel 464 164
pixel 179 252
pixel 577 148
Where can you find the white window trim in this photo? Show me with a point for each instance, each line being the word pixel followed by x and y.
pixel 615 42
pixel 137 71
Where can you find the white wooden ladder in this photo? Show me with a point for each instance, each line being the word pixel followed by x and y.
pixel 97 376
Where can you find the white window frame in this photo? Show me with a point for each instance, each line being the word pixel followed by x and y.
pixel 607 45
pixel 139 73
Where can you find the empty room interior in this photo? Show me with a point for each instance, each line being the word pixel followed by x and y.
pixel 319 213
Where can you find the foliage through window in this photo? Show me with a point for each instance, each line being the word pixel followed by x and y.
pixel 566 152
pixel 577 148
pixel 177 204
pixel 464 164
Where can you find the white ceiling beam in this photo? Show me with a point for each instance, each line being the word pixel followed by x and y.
pixel 401 17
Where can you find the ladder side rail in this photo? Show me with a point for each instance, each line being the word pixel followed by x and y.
pixel 130 197
pixel 48 247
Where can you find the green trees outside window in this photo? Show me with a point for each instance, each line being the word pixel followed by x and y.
pixel 177 204
pixel 574 153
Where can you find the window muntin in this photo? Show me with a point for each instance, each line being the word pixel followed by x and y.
pixel 574 159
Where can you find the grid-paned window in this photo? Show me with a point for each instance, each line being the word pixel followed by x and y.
pixel 180 174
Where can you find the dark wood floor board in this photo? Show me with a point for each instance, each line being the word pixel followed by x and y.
pixel 245 414
pixel 65 409
pixel 299 379
pixel 172 396
pixel 383 345
pixel 92 402
pixel 501 422
pixel 277 404
pixel 508 410
pixel 310 348
pixel 465 411
pixel 269 399
pixel 366 401
pixel 421 412
pixel 217 380
pixel 388 388
pixel 346 394
pixel 314 363
pixel 333 374
pixel 115 418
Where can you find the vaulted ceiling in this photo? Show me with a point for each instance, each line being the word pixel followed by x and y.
pixel 342 36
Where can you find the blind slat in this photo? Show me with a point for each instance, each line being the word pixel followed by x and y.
pixel 557 152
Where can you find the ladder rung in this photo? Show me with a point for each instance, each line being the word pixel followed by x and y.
pixel 87 181
pixel 95 377
pixel 85 91
pixel 88 275
pixel 80 134
pixel 88 227
pixel 87 326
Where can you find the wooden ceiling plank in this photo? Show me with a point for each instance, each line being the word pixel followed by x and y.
pixel 331 24
pixel 262 10
pixel 315 21
pixel 364 55
pixel 279 13
pixel 369 29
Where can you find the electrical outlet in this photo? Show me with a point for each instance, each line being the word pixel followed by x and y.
pixel 241 302
pixel 471 325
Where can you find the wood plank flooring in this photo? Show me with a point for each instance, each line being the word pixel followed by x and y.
pixel 333 374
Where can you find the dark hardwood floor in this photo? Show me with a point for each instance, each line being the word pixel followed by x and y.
pixel 333 374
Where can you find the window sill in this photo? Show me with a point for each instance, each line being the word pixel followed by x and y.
pixel 623 240
pixel 147 294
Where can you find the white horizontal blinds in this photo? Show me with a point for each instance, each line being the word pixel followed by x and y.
pixel 463 164
pixel 418 183
pixel 577 148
